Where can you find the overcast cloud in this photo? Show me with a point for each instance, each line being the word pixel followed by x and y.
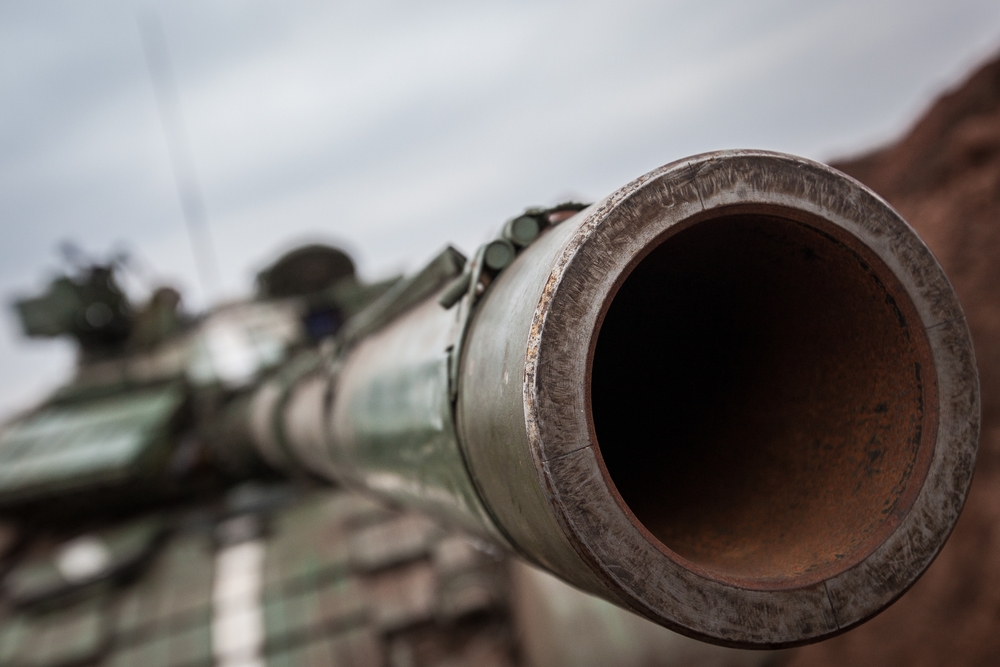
pixel 394 127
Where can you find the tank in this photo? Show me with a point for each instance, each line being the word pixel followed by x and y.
pixel 735 401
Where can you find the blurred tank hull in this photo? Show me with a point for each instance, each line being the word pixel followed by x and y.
pixel 281 575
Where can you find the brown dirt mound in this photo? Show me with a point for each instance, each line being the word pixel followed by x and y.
pixel 944 178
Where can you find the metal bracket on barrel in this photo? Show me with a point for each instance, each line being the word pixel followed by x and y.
pixel 490 259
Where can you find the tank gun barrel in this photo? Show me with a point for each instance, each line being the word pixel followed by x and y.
pixel 737 397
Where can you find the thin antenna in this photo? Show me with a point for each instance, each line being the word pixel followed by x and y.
pixel 154 43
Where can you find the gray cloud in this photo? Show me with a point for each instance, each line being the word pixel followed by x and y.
pixel 395 127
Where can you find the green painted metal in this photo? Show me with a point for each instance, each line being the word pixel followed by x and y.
pixel 173 593
pixel 71 635
pixel 392 418
pixel 403 295
pixel 86 561
pixel 522 230
pixel 85 443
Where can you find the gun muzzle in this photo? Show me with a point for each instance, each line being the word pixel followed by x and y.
pixel 737 396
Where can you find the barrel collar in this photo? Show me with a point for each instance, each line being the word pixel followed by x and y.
pixel 557 404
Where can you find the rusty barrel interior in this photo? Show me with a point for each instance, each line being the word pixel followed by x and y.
pixel 762 399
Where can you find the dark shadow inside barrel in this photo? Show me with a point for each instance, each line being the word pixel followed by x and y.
pixel 758 393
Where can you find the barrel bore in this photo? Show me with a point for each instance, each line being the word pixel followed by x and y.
pixel 758 393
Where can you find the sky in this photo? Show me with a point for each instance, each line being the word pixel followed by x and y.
pixel 393 128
